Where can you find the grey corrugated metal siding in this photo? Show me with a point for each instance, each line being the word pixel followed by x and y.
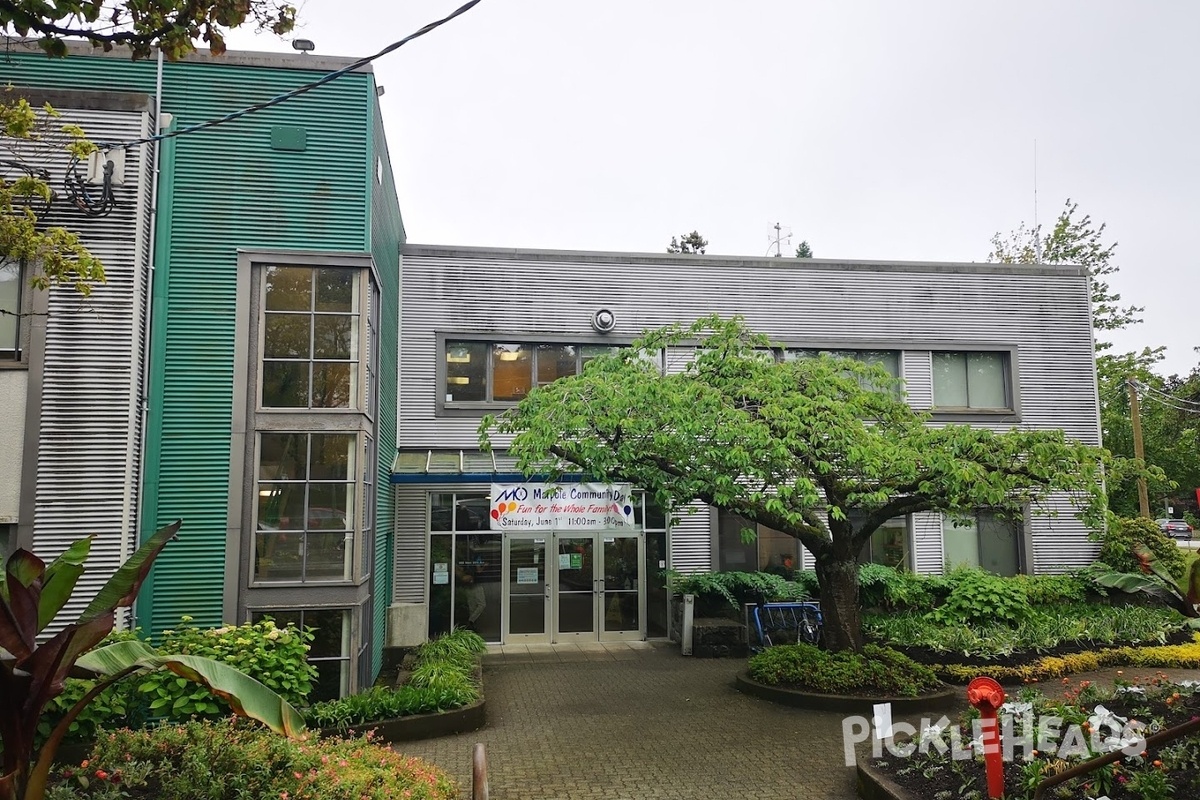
pixel 1044 312
pixel 90 429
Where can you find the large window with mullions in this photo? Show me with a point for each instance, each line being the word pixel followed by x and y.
pixel 306 503
pixel 310 337
pixel 480 372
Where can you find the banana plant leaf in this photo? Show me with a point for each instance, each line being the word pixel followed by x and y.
pixel 247 696
pixel 122 588
pixel 60 578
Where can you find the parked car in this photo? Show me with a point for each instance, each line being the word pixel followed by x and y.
pixel 1175 528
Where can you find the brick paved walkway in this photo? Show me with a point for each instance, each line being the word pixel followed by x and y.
pixel 640 721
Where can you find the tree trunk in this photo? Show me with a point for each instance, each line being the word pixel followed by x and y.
pixel 838 579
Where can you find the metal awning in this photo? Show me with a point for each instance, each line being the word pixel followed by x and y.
pixel 454 466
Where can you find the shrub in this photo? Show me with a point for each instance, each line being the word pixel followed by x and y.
pixel 227 759
pixel 1124 533
pixel 736 588
pixel 442 679
pixel 274 656
pixel 874 671
pixel 886 587
pixel 979 598
pixel 1053 590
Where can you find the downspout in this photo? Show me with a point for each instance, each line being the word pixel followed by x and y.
pixel 155 310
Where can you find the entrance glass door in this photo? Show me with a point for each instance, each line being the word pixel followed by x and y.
pixel 576 587
pixel 529 577
pixel 620 589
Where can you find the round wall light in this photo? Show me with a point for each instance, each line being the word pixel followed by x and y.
pixel 604 321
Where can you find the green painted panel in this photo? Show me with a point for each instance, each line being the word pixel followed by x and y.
pixel 387 235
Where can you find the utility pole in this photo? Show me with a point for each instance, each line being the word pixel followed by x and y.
pixel 1139 450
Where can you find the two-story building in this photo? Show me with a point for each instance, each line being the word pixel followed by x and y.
pixel 993 345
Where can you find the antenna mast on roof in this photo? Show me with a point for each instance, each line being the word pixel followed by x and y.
pixel 777 240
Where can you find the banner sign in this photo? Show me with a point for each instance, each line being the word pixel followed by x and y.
pixel 561 507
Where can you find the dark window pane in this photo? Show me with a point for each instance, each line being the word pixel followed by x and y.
pixel 554 361
pixel 466 372
pixel 331 680
pixel 279 556
pixel 478 579
pixel 471 512
pixel 327 556
pixel 328 639
pixel 330 506
pixel 283 457
pixel 287 335
pixel 331 385
pixel 656 585
pixel 442 564
pixel 590 351
pixel 281 618
pixel 512 371
pixel 334 337
pixel 280 506
pixel 335 289
pixel 285 384
pixel 333 456
pixel 441 511
pixel 735 555
pixel 289 289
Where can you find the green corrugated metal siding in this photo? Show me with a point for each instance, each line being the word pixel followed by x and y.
pixel 387 235
pixel 231 190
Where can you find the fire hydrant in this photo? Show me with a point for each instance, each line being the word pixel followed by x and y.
pixel 987 696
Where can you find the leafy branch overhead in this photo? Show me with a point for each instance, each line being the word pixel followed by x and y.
pixel 29 138
pixel 824 449
pixel 173 25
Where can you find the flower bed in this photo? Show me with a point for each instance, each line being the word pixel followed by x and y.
pixel 1045 736
pixel 232 758
pixel 876 671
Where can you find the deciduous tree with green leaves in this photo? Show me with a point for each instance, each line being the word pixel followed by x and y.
pixel 173 25
pixel 824 449
pixel 690 243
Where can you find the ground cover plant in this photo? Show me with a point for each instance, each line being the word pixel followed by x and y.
pixel 232 759
pixel 442 679
pixel 876 671
pixel 1065 728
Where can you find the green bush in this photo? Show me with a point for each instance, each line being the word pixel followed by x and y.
pixel 1053 590
pixel 275 656
pixel 442 679
pixel 233 759
pixel 979 598
pixel 1117 543
pixel 1071 624
pixel 278 657
pixel 875 671
pixel 736 588
pixel 886 587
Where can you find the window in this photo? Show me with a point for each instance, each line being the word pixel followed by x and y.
pixel 769 551
pixel 504 372
pixel 329 651
pixel 465 563
pixel 888 545
pixel 310 337
pixel 305 528
pixel 10 310
pixel 984 540
pixel 975 380
pixel 888 359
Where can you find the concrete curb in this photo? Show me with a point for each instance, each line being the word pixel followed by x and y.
pixel 874 785
pixel 937 701
pixel 420 726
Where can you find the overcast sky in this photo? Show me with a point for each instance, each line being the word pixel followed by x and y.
pixel 875 130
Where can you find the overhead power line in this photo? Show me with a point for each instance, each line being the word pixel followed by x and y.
pixel 1152 390
pixel 308 87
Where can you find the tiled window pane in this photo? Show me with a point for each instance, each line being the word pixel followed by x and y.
pixel 331 385
pixel 555 361
pixel 986 380
pixel 285 384
pixel 287 336
pixel 332 456
pixel 283 457
pixel 289 289
pixel 279 556
pixel 512 371
pixel 466 371
pixel 960 544
pixel 334 336
pixel 281 506
pixel 950 380
pixel 335 290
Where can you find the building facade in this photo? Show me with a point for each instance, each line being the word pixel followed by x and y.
pixel 998 346
pixel 238 370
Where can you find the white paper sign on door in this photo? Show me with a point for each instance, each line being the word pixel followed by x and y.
pixel 564 560
pixel 526 575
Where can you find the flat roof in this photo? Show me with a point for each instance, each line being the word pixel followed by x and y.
pixel 673 259
pixel 242 58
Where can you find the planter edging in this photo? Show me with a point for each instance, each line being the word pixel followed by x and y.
pixel 420 726
pixel 815 701
pixel 871 784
